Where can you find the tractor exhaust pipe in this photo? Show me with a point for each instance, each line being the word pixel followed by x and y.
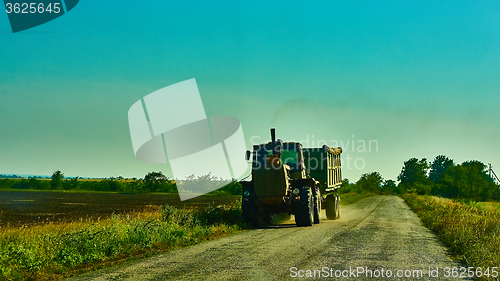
pixel 273 135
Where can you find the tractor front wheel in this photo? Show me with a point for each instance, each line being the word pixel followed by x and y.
pixel 304 208
pixel 249 208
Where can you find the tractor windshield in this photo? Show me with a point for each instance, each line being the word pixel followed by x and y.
pixel 291 154
pixel 289 157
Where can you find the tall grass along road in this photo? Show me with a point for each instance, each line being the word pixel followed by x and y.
pixel 377 236
pixel 471 231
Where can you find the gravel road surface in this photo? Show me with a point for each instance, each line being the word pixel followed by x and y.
pixel 378 234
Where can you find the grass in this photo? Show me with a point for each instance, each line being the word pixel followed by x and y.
pixel 472 233
pixel 353 197
pixel 488 205
pixel 55 250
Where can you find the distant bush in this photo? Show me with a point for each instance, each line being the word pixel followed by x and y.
pixel 369 184
pixel 233 188
pixel 31 183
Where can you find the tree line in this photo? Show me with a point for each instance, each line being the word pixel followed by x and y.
pixel 442 177
pixel 152 182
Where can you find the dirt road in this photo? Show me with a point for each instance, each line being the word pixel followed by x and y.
pixel 378 234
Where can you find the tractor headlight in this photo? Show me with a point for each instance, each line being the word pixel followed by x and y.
pixel 296 192
pixel 246 193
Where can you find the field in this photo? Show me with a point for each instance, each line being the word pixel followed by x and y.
pixel 20 208
pixel 34 207
pixel 46 235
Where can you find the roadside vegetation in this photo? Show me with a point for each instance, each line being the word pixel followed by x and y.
pixel 54 250
pixel 459 202
pixel 471 232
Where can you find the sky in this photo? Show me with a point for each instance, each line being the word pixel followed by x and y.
pixel 411 78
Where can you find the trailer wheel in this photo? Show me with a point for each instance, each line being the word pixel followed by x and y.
pixel 317 207
pixel 331 207
pixel 249 208
pixel 304 208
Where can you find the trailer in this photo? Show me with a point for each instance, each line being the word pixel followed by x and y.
pixel 324 165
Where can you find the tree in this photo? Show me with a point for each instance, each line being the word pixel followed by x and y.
pixel 153 180
pixel 56 182
pixel 348 187
pixel 74 183
pixel 477 181
pixel 453 182
pixel 413 176
pixel 371 182
pixel 345 182
pixel 389 183
pixel 390 187
pixel 468 180
pixel 438 168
